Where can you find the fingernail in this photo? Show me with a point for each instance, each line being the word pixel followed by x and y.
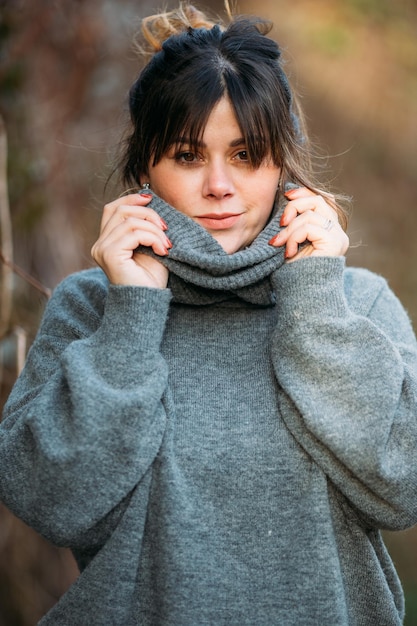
pixel 290 192
pixel 145 195
pixel 274 240
pixel 168 242
pixel 282 221
pixel 163 224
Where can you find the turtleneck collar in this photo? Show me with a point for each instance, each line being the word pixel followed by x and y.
pixel 201 272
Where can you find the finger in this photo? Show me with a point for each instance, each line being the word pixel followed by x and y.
pixel 127 235
pixel 333 242
pixel 120 210
pixel 131 205
pixel 301 192
pixel 132 222
pixel 303 204
pixel 323 233
pixel 328 224
pixel 300 235
pixel 143 214
pixel 304 220
pixel 312 203
pixel 138 199
pixel 298 192
pixel 141 228
pixel 110 255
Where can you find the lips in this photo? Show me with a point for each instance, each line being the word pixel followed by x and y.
pixel 215 221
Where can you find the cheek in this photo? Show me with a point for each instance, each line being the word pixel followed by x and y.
pixel 172 187
pixel 177 197
pixel 263 189
pixel 165 188
pixel 261 207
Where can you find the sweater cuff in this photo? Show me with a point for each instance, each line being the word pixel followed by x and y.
pixel 136 315
pixel 311 287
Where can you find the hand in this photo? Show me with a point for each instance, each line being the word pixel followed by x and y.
pixel 127 223
pixel 308 217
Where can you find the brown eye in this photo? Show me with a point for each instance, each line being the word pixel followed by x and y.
pixel 186 157
pixel 242 155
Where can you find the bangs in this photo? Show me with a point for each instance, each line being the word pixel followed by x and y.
pixel 187 126
pixel 178 130
pixel 189 111
pixel 258 118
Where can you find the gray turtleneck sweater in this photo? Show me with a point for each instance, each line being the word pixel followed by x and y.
pixel 224 451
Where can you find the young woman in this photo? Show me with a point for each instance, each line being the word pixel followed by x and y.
pixel 219 419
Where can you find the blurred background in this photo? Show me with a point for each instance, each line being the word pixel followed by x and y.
pixel 65 69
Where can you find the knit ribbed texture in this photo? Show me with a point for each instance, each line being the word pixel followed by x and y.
pixel 201 272
pixel 221 465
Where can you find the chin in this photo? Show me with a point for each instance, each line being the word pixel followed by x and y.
pixel 230 248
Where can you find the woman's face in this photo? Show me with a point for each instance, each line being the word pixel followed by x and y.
pixel 216 186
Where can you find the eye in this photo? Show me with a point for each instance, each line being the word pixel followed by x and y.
pixel 186 157
pixel 242 155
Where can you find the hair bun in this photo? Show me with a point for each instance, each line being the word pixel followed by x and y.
pixel 159 27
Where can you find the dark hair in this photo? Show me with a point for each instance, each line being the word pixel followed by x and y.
pixel 176 92
pixel 192 70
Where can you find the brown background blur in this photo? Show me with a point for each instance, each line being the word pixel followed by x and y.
pixel 65 68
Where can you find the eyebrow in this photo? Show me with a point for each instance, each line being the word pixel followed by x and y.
pixel 240 141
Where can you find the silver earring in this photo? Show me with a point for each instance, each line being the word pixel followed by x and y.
pixel 146 186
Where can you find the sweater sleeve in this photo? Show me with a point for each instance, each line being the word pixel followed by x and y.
pixel 85 419
pixel 345 357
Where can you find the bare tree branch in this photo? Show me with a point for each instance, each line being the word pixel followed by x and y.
pixel 27 277
pixel 6 286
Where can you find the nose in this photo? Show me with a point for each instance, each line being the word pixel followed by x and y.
pixel 218 181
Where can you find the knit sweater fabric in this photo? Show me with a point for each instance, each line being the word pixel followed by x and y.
pixel 224 451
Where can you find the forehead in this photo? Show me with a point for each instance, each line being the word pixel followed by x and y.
pixel 222 124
